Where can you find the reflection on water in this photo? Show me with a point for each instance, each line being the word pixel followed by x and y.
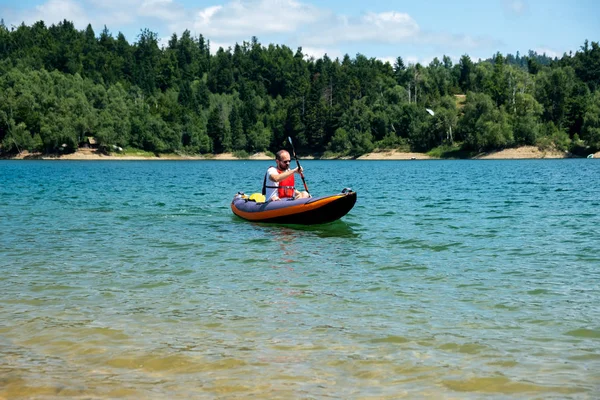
pixel 338 228
pixel 461 280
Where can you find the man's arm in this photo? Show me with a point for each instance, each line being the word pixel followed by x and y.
pixel 275 177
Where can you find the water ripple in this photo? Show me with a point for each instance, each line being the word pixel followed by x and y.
pixel 464 279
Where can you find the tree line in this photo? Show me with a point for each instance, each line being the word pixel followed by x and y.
pixel 60 86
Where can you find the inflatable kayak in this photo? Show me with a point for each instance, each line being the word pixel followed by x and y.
pixel 311 211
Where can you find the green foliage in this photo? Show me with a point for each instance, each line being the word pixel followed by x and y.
pixel 340 143
pixel 590 132
pixel 465 74
pixel 241 154
pixel 218 130
pixel 220 79
pixel 147 57
pixel 131 151
pixel 484 126
pixel 552 137
pixel 526 119
pixel 449 151
pixel 443 124
pixel 18 138
pixel 259 138
pixel 357 124
pixel 238 136
pixel 59 86
pixel 114 127
pixel 194 135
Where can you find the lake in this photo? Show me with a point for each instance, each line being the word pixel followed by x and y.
pixel 449 279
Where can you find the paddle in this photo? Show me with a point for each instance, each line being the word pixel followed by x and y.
pixel 298 163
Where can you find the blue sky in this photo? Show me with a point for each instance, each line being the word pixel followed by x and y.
pixel 416 30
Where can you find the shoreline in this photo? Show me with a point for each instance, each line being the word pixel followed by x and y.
pixel 525 152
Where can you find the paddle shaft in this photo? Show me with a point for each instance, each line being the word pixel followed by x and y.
pixel 299 167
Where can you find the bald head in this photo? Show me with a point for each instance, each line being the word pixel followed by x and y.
pixel 282 154
pixel 282 158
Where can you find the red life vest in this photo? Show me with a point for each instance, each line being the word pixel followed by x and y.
pixel 286 186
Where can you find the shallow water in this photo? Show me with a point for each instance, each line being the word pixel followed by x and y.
pixel 449 279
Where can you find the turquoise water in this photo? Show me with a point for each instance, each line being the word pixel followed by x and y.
pixel 449 279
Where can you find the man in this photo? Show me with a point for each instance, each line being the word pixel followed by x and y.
pixel 279 181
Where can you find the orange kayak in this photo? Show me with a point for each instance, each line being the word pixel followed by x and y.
pixel 311 211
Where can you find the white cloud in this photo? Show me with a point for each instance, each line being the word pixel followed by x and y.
pixel 548 52
pixel 319 52
pixel 243 19
pixel 206 15
pixel 515 7
pixel 98 13
pixel 215 45
pixel 460 42
pixel 55 11
pixel 387 27
pixel 164 10
pixel 391 60
pixel 411 60
pixel 115 13
pixel 115 4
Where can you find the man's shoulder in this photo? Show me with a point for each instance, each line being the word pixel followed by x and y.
pixel 272 171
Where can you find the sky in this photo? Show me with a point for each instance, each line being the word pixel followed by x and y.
pixel 417 30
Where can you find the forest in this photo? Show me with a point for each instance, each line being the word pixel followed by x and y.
pixel 60 86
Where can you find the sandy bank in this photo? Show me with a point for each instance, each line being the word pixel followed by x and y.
pixel 394 155
pixel 88 154
pixel 525 152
